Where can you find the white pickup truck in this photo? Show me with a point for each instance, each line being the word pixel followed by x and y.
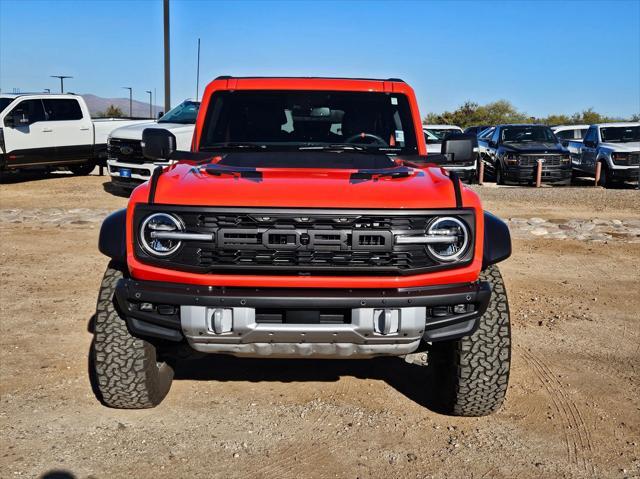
pixel 52 131
pixel 127 166
pixel 434 135
pixel 616 146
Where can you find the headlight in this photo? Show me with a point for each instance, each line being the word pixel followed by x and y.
pixel 160 233
pixel 456 234
pixel 511 158
pixel 620 158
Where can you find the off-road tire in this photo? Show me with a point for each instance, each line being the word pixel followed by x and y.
pixel 499 175
pixel 126 369
pixel 82 169
pixel 472 373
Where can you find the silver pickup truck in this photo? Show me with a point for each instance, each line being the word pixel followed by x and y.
pixel 616 146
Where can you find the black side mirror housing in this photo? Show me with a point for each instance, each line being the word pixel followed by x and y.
pixel 158 144
pixel 589 143
pixel 160 114
pixel 460 147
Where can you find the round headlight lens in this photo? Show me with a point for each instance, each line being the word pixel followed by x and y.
pixel 450 227
pixel 151 234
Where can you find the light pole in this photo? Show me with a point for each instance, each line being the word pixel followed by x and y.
pixel 150 102
pixel 62 77
pixel 198 73
pixel 130 100
pixel 167 58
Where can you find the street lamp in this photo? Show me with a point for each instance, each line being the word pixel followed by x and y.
pixel 130 100
pixel 150 101
pixel 62 77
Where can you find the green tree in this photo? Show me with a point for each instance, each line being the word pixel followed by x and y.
pixel 113 112
pixel 471 113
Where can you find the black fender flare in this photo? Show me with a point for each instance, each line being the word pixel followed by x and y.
pixel 112 241
pixel 497 240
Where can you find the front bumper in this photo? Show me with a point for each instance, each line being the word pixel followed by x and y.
pixel 240 321
pixel 139 173
pixel 465 173
pixel 550 174
pixel 625 173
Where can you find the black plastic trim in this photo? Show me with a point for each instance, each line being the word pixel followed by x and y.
pixel 113 235
pixel 456 188
pixel 153 183
pixel 497 240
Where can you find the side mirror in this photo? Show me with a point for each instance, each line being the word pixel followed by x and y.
pixel 158 143
pixel 492 143
pixel 160 114
pixel 460 147
pixel 589 143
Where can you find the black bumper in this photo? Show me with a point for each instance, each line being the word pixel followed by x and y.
pixel 125 183
pixel 550 174
pixel 626 174
pixel 163 320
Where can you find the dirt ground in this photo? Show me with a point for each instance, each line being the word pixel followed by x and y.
pixel 572 409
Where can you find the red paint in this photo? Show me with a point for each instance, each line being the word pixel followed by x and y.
pixel 428 187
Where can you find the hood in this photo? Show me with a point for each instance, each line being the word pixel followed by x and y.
pixel 134 132
pixel 189 184
pixel 622 147
pixel 534 147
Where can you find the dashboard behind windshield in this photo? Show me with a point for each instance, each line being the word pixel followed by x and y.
pixel 372 121
pixel 525 134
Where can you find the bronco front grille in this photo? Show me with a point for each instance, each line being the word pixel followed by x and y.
pixel 301 241
pixel 128 151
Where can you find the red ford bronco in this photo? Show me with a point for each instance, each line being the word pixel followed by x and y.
pixel 306 221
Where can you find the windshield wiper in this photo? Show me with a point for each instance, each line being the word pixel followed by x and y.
pixel 333 146
pixel 234 146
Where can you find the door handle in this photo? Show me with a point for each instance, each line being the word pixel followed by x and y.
pixel 47 130
pixel 84 128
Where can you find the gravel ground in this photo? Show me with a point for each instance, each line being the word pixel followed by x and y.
pixel 572 409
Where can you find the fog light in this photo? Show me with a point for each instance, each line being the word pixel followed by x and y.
pixel 146 307
pixel 460 308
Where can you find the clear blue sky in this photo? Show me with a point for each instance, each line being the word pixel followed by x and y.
pixel 544 56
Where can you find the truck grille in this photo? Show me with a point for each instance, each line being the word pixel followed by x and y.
pixel 128 151
pixel 634 159
pixel 305 242
pixel 532 160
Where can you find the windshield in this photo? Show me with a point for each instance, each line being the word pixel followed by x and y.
pixel 4 102
pixel 309 120
pixel 186 113
pixel 439 133
pixel 620 134
pixel 525 134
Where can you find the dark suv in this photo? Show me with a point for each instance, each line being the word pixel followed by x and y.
pixel 511 154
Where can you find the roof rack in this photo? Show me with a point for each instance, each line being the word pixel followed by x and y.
pixel 228 77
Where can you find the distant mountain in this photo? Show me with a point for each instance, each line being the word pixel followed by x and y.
pixel 98 105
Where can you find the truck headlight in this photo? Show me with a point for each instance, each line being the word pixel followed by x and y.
pixel 620 158
pixel 456 234
pixel 160 233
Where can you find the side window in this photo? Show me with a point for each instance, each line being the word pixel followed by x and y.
pixel 59 109
pixel 565 134
pixel 31 109
pixel 582 132
pixel 591 135
pixel 487 135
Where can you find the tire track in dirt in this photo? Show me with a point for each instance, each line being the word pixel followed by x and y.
pixel 296 455
pixel 577 437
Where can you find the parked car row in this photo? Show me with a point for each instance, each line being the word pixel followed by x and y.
pixel 510 153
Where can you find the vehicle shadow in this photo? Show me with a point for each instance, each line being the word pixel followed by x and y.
pixel 27 175
pixel 417 383
pixel 57 474
pixel 110 188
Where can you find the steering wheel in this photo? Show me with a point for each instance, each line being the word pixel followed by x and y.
pixel 352 139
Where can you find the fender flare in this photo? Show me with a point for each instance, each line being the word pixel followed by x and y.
pixel 497 240
pixel 112 241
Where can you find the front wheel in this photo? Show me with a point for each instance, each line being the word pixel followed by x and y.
pixel 83 169
pixel 126 369
pixel 473 371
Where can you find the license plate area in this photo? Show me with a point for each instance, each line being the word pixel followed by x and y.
pixel 302 316
pixel 125 172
